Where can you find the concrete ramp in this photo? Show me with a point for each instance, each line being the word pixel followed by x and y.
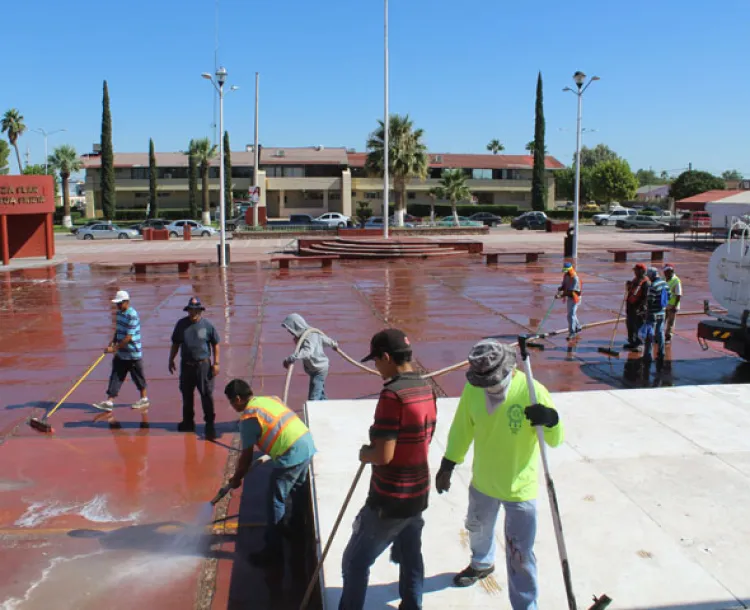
pixel 654 489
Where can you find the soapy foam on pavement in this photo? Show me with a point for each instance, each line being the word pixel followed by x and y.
pixel 94 510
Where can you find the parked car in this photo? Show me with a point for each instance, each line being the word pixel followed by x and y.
pixel 151 223
pixel 530 220
pixel 103 230
pixel 641 222
pixel 487 219
pixel 88 223
pixel 299 220
pixel 376 222
pixel 610 218
pixel 238 222
pixel 334 219
pixel 463 221
pixel 177 228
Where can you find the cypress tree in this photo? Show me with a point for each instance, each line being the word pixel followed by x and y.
pixel 227 177
pixel 152 195
pixel 538 178
pixel 192 182
pixel 107 179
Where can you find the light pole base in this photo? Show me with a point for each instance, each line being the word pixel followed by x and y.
pixel 227 257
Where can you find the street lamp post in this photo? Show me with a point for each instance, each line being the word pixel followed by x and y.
pixel 580 80
pixel 46 134
pixel 218 83
pixel 386 126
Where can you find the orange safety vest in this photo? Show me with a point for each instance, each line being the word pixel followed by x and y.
pixel 280 426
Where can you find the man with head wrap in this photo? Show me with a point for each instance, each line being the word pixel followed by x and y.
pixel 495 413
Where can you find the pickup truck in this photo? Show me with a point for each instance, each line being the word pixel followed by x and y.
pixel 301 221
pixel 612 217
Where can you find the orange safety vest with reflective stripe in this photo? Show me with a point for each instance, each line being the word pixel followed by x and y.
pixel 280 426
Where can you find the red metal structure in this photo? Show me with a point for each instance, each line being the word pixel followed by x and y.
pixel 27 205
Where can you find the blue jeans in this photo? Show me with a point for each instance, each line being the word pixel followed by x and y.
pixel 520 532
pixel 574 326
pixel 654 331
pixel 371 535
pixel 285 484
pixel 317 389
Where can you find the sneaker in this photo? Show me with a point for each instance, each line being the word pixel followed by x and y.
pixel 143 403
pixel 104 405
pixel 210 432
pixel 470 576
pixel 186 426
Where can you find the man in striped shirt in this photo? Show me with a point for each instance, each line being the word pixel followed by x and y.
pixel 126 346
pixel 400 484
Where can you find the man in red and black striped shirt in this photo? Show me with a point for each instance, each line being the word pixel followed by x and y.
pixel 400 484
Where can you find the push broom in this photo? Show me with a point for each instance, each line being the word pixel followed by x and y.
pixel 538 344
pixel 600 603
pixel 41 425
pixel 611 351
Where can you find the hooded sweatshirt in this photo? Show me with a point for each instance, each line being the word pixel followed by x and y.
pixel 311 352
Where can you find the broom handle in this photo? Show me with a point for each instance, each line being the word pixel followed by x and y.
pixel 551 494
pixel 311 585
pixel 617 322
pixel 79 382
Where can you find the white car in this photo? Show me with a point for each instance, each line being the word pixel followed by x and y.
pixel 177 229
pixel 334 219
pixel 610 218
pixel 105 230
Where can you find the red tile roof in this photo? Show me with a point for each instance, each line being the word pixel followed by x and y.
pixel 481 161
pixel 709 196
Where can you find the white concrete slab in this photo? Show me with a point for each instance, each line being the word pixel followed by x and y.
pixel 653 485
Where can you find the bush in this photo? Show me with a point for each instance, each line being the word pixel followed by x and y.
pixel 58 215
pixel 444 209
pixel 139 215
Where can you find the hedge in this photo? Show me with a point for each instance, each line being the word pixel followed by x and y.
pixel 441 209
pixel 568 214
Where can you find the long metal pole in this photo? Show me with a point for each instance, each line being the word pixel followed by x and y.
pixel 46 157
pixel 577 204
pixel 256 152
pixel 222 212
pixel 386 124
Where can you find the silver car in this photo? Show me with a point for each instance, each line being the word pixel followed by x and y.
pixel 334 219
pixel 177 229
pixel 105 231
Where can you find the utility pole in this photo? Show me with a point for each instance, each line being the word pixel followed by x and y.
pixel 256 149
pixel 386 126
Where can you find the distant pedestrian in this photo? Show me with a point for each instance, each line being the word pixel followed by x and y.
pixel 570 291
pixel 675 296
pixel 128 351
pixel 657 298
pixel 311 354
pixel 636 303
pixel 197 341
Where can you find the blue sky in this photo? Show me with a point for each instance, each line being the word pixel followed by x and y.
pixel 674 85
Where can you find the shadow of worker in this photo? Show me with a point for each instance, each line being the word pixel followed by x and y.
pixel 167 537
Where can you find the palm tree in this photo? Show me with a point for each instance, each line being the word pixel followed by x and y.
pixel 530 147
pixel 434 194
pixel 12 124
pixel 407 158
pixel 453 188
pixel 495 146
pixel 64 159
pixel 202 151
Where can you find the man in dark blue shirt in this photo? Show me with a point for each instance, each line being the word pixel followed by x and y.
pixel 197 340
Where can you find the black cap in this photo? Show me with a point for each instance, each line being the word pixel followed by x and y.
pixel 389 341
pixel 194 303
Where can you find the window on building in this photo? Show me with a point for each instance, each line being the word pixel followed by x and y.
pixel 334 195
pixel 497 174
pixel 435 173
pixel 213 172
pixel 512 174
pixel 484 198
pixel 139 173
pixel 313 195
pixel 481 174
pixel 242 171
pixel 374 195
pixel 358 172
pixel 322 171
pixel 294 172
pixel 173 173
pixel 411 195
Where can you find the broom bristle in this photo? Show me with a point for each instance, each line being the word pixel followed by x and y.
pixel 39 425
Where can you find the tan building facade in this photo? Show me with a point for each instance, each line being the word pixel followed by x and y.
pixel 312 180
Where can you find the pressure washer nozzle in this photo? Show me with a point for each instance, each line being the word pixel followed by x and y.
pixel 600 603
pixel 220 494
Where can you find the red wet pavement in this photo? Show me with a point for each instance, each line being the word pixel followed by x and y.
pixel 100 513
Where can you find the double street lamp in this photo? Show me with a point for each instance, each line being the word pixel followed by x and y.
pixel 581 85
pixel 218 83
pixel 46 134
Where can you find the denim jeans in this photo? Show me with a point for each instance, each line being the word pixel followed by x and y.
pixel 285 484
pixel 654 331
pixel 520 532
pixel 634 322
pixel 317 389
pixel 574 326
pixel 371 535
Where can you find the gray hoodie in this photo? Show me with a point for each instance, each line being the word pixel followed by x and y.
pixel 311 352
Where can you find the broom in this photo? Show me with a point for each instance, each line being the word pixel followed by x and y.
pixel 537 344
pixel 41 425
pixel 611 351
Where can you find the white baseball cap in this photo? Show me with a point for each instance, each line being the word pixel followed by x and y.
pixel 121 296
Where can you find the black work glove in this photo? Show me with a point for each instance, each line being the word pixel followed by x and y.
pixel 443 478
pixel 539 415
